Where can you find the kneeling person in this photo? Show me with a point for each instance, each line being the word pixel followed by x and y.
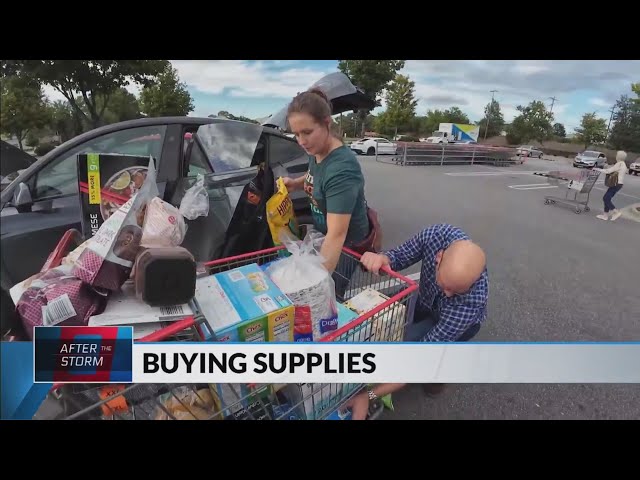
pixel 452 298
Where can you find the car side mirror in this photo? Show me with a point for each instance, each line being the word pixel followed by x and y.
pixel 22 200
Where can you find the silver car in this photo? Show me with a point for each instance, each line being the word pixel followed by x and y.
pixel 528 151
pixel 590 159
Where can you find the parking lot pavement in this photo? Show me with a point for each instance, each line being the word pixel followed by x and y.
pixel 554 276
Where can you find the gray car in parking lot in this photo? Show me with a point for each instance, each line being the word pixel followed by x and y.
pixel 590 159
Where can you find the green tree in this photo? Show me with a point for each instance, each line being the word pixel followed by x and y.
pixel 401 106
pixel 23 107
pixel 635 88
pixel 123 105
pixel 559 131
pixel 625 132
pixel 92 81
pixel 63 121
pixel 372 76
pixel 431 122
pixel 230 116
pixel 592 130
pixel 493 115
pixel 455 115
pixel 533 123
pixel 167 97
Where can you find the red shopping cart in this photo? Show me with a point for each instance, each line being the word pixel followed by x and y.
pixel 386 322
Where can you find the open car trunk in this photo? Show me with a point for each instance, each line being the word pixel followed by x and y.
pixel 344 97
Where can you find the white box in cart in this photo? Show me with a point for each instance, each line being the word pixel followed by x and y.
pixel 388 324
pixel 125 309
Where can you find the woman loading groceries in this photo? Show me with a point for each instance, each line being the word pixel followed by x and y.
pixel 334 183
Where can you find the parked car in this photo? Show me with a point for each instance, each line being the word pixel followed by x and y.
pixel 42 203
pixel 529 151
pixel 590 159
pixel 373 146
pixel 634 168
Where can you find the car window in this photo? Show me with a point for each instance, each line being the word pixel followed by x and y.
pixel 60 177
pixel 198 163
pixel 282 150
pixel 232 145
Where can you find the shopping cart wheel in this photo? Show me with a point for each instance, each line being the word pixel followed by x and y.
pixel 547 201
pixel 578 210
pixel 586 209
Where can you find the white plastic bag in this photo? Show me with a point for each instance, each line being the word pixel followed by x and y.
pixel 308 284
pixel 196 201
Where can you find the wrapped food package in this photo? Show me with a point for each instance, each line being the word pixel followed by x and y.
pixel 303 278
pixel 163 226
pixel 56 297
pixel 188 404
pixel 108 258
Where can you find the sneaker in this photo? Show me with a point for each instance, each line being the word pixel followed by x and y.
pixel 616 215
pixel 603 216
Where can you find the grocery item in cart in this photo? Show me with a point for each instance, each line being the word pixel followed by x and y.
pixel 56 297
pixel 304 279
pixel 107 260
pixel 280 215
pixel 106 182
pixel 243 304
pixel 186 403
pixel 165 276
pixel 125 309
pixel 386 324
pixel 163 225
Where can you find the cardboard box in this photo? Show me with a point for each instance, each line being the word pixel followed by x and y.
pixel 244 305
pixel 385 326
pixel 106 182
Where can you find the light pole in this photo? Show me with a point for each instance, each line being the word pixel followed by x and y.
pixel 553 100
pixel 486 127
pixel 613 109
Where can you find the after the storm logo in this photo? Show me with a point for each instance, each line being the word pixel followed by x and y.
pixel 83 354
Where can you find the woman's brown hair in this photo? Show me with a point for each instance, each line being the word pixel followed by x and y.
pixel 313 102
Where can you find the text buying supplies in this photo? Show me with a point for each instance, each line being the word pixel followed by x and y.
pixel 244 305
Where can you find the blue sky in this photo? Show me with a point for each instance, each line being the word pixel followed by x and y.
pixel 258 88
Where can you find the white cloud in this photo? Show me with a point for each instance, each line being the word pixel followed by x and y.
pixel 467 84
pixel 244 79
pixel 599 102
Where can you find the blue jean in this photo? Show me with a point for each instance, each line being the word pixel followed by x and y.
pixel 425 321
pixel 611 191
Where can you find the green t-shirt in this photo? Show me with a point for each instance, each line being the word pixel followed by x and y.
pixel 336 185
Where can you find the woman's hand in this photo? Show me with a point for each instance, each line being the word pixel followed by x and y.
pixel 293 184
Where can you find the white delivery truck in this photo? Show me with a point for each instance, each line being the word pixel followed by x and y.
pixel 454 133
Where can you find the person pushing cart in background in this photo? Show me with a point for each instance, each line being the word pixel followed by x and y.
pixel 452 298
pixel 614 180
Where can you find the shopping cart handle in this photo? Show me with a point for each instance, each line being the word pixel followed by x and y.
pixel 172 329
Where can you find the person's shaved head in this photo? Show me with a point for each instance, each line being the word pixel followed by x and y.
pixel 459 267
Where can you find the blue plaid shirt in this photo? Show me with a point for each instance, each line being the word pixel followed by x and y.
pixel 456 314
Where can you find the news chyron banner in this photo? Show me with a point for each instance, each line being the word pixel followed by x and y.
pixel 108 355
pixel 83 354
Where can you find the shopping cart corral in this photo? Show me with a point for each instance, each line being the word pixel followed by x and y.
pixel 309 401
pixel 578 183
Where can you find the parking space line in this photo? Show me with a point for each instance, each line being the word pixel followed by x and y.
pixel 532 186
